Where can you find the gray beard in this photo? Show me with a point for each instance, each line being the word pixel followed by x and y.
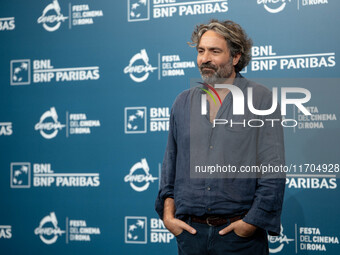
pixel 219 76
pixel 212 80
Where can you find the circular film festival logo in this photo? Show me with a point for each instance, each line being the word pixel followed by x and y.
pixel 273 6
pixel 48 229
pixel 278 241
pixel 51 17
pixel 139 67
pixel 143 177
pixel 48 126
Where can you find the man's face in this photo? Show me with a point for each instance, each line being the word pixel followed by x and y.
pixel 213 58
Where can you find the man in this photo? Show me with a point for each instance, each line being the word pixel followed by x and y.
pixel 228 213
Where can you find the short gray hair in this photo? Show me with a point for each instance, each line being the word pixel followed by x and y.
pixel 236 38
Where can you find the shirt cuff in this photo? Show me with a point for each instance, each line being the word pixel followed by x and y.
pixel 159 205
pixel 265 220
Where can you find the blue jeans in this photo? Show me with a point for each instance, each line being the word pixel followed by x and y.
pixel 207 241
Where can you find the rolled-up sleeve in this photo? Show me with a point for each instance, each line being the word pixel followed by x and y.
pixel 168 172
pixel 266 209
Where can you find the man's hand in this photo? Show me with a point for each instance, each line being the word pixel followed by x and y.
pixel 240 228
pixel 174 225
pixel 177 226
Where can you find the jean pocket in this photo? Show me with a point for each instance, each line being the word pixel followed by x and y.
pixel 179 235
pixel 244 237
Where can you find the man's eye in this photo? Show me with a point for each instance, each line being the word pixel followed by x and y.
pixel 216 51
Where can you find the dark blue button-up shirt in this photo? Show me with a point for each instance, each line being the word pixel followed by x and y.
pixel 193 141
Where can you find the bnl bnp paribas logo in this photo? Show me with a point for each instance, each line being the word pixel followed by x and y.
pixel 136 119
pixel 43 175
pixel 136 231
pixel 44 72
pixel 141 10
pixel 7 24
pixel 5 231
pixel 139 176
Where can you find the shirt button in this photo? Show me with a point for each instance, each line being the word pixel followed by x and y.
pixel 208 188
pixel 211 147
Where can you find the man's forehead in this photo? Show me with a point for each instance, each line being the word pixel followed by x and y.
pixel 212 39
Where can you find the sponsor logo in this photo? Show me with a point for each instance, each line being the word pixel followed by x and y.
pixel 44 72
pixel 76 124
pixel 139 176
pixel 45 176
pixel 278 242
pixel 6 128
pixel 313 181
pixel 5 232
pixel 136 119
pixel 76 230
pixel 139 10
pixel 7 23
pixel 20 72
pixel 136 230
pixel 51 17
pixel 48 229
pixel 20 175
pixel 158 232
pixel 264 58
pixel 139 68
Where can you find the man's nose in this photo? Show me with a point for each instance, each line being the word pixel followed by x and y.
pixel 206 57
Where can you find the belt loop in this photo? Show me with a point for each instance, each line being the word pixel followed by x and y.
pixel 189 221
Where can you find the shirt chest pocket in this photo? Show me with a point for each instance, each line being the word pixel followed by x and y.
pixel 239 142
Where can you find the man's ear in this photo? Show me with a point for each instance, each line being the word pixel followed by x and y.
pixel 236 59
